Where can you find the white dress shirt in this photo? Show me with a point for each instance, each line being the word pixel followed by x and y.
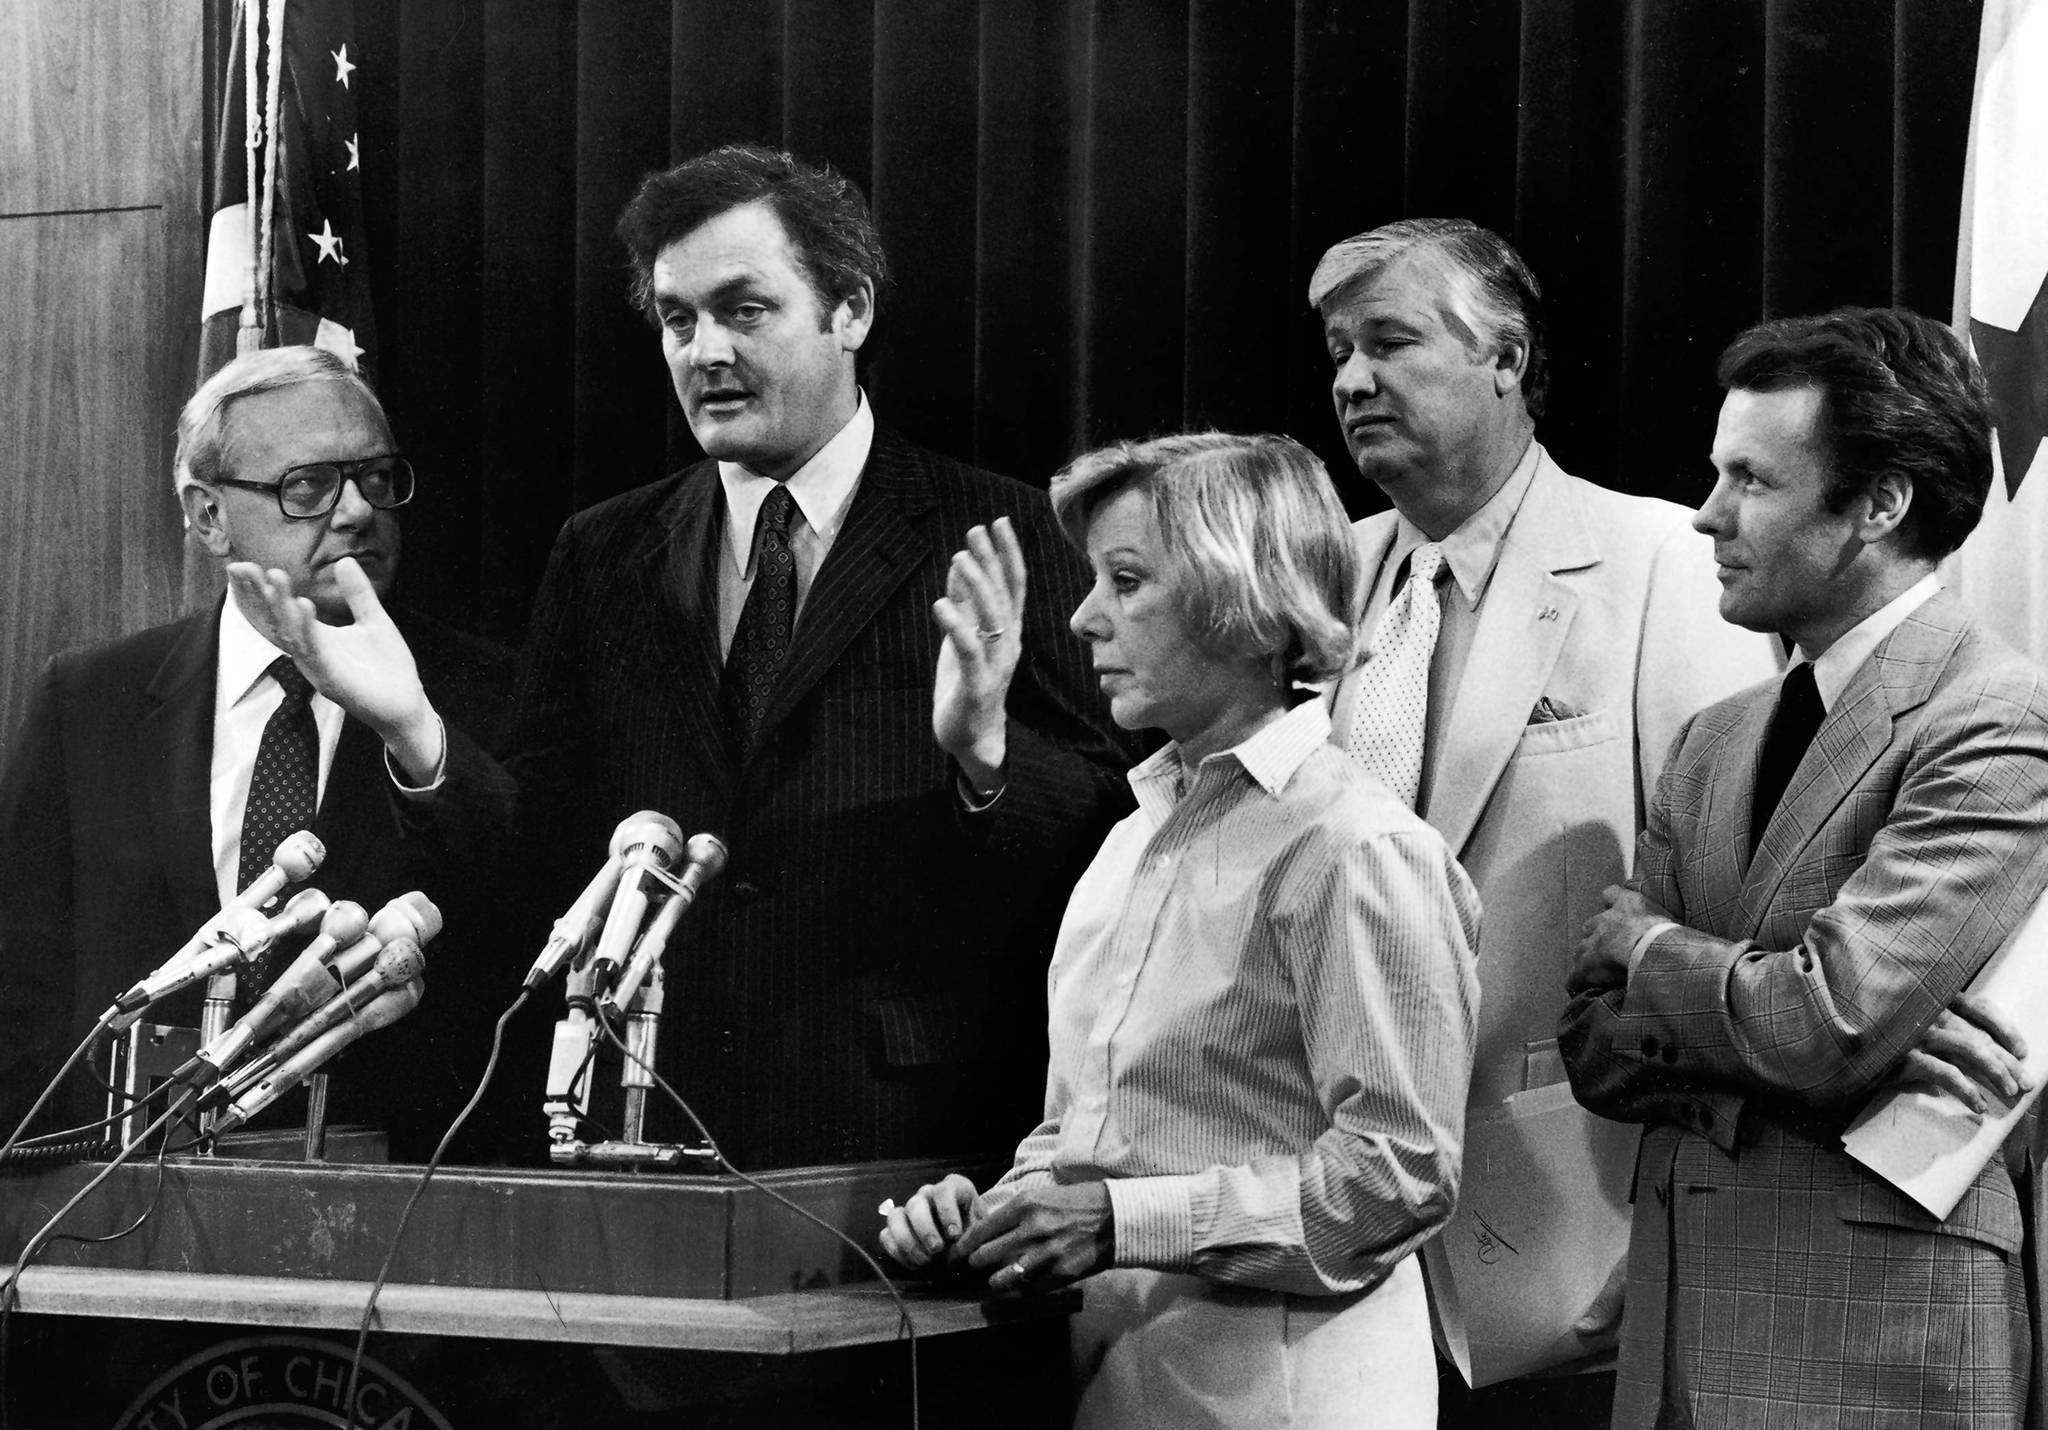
pixel 244 699
pixel 823 489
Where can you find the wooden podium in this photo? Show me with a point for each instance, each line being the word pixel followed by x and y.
pixel 683 1263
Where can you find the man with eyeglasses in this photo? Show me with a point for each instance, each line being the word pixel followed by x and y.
pixel 154 774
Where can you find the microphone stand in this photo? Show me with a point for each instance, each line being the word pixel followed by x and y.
pixel 568 1095
pixel 214 1016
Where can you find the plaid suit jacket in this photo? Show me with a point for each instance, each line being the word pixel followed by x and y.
pixel 867 977
pixel 1772 1280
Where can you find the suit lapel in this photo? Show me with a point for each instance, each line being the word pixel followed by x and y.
pixel 177 745
pixel 355 808
pixel 1523 620
pixel 678 580
pixel 1899 677
pixel 880 544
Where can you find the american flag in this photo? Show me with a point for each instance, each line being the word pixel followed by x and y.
pixel 2002 308
pixel 320 283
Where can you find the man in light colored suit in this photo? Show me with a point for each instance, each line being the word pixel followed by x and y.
pixel 1828 862
pixel 1576 630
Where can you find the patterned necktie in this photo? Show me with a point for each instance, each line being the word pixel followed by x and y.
pixel 1793 724
pixel 1393 685
pixel 284 789
pixel 762 638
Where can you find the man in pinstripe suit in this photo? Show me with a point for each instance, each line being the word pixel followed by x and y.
pixel 750 647
pixel 1827 863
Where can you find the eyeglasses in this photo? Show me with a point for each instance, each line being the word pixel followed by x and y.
pixel 315 489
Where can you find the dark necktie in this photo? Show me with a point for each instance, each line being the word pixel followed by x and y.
pixel 762 638
pixel 1797 717
pixel 284 788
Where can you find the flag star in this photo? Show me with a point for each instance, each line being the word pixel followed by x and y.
pixel 342 68
pixel 330 244
pixel 341 342
pixel 355 158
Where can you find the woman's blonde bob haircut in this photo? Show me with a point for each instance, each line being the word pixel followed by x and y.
pixel 1262 550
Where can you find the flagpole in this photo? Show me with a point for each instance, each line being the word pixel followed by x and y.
pixel 266 267
pixel 249 334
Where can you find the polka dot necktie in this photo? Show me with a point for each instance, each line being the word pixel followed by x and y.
pixel 284 788
pixel 1393 685
pixel 762 639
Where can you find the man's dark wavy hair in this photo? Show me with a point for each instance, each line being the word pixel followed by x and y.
pixel 1898 393
pixel 822 211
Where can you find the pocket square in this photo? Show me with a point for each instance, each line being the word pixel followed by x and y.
pixel 1548 712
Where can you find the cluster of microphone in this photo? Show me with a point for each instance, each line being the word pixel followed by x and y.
pixel 613 908
pixel 359 973
pixel 612 940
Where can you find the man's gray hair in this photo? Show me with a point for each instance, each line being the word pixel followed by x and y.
pixel 1492 295
pixel 202 426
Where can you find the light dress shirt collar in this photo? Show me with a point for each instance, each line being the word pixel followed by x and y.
pixel 1835 665
pixel 1270 756
pixel 1473 550
pixel 822 487
pixel 245 656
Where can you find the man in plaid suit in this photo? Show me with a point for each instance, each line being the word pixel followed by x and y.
pixel 1827 863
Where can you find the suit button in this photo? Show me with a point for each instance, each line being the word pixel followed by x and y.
pixel 1671 1055
pixel 746 891
pixel 1650 1046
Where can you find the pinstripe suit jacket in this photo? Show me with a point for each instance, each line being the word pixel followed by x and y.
pixel 1773 1280
pixel 866 978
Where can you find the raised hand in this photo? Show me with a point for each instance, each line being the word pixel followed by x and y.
pixel 982 614
pixel 366 667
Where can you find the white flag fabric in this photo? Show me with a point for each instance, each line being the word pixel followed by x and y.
pixel 2000 308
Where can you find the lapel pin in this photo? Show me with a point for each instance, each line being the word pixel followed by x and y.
pixel 1548 613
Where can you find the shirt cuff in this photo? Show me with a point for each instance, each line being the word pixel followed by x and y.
pixel 1155 1222
pixel 1643 941
pixel 433 785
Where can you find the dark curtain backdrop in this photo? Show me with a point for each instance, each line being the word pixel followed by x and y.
pixel 1104 213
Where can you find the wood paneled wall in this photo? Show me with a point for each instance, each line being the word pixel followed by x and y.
pixel 102 232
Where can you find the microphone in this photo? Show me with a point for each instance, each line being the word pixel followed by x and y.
pixel 357 977
pixel 703 857
pixel 384 1010
pixel 410 916
pixel 242 934
pixel 396 964
pixel 298 991
pixel 574 929
pixel 629 903
pixel 293 863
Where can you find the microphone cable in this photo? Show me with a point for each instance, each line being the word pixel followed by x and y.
pixel 47 1232
pixel 50 1088
pixel 908 1327
pixel 355 1365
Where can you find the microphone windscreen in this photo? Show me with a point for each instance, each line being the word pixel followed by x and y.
pixel 299 855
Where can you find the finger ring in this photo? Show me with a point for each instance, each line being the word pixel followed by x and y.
pixel 888 1205
pixel 1017 1269
pixel 992 635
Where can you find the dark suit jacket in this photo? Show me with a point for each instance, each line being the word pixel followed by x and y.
pixel 106 848
pixel 867 978
pixel 1905 851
